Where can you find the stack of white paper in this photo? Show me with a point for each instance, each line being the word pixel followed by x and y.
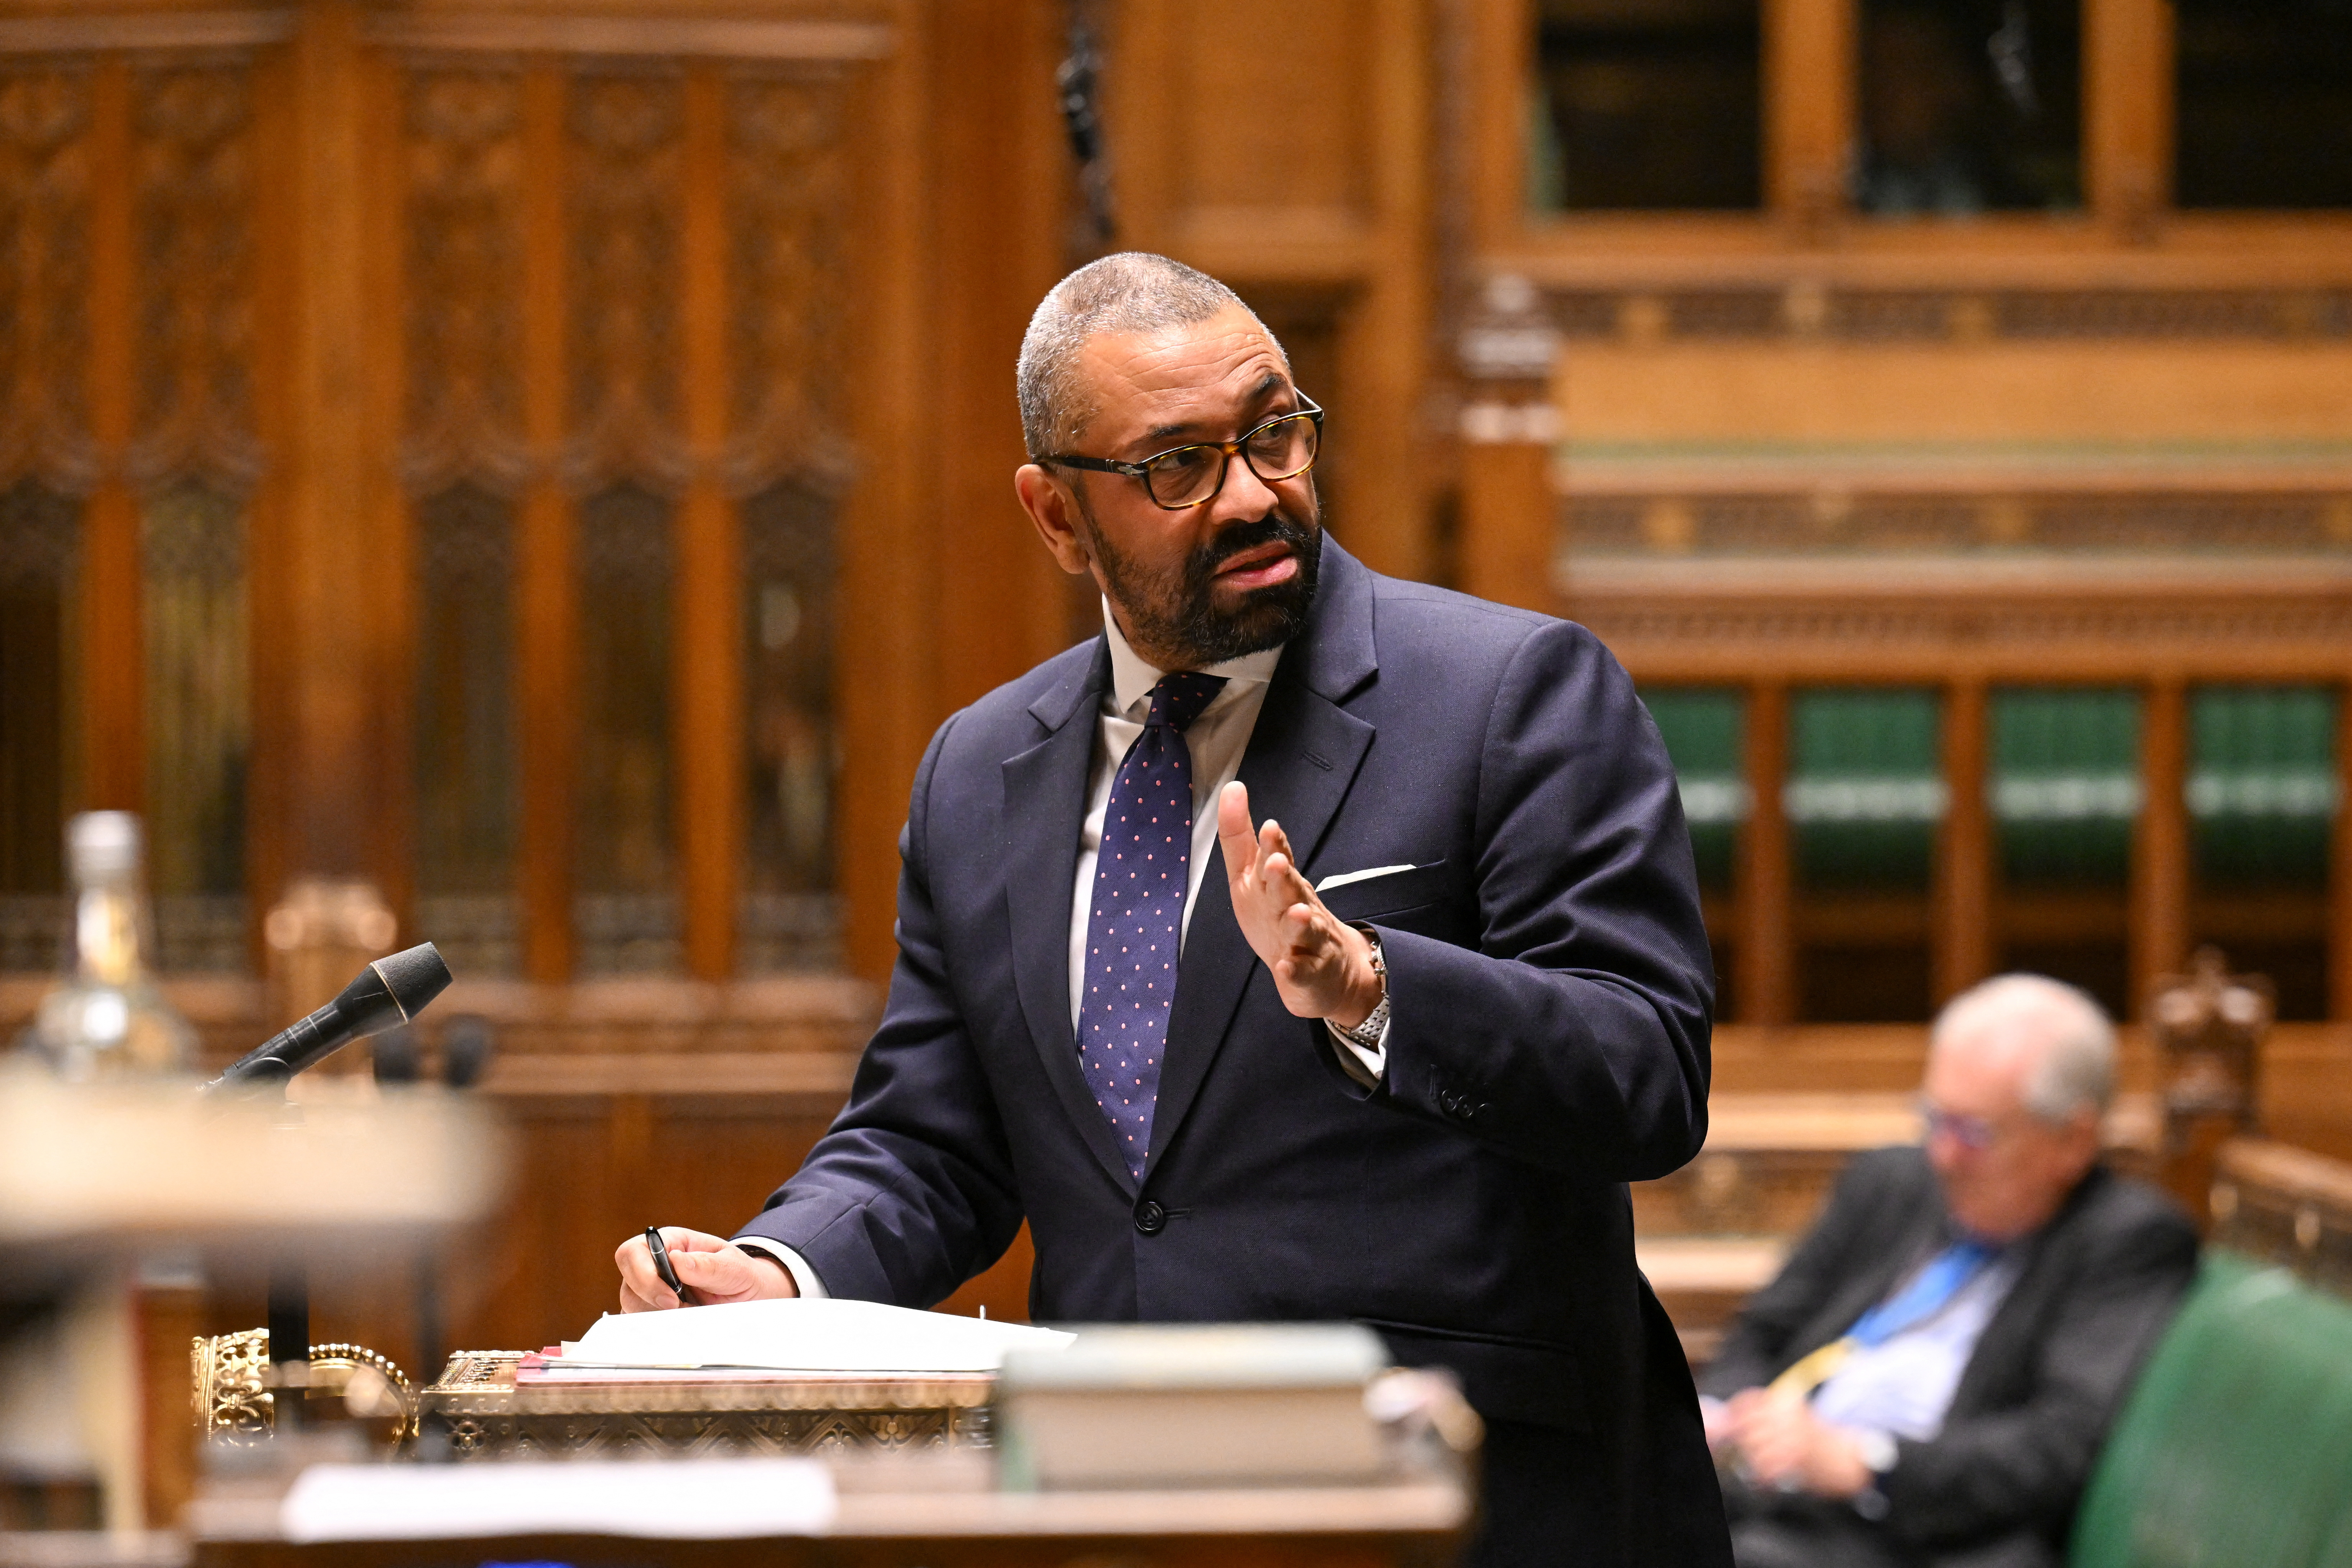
pixel 806 1336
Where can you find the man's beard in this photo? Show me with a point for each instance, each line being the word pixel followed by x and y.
pixel 1175 611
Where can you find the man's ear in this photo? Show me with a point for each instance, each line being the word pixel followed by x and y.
pixel 1054 512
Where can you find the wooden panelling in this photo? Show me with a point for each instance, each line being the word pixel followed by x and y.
pixel 2159 871
pixel 1766 951
pixel 999 211
pixel 1809 133
pixel 1491 85
pixel 2339 880
pixel 1240 75
pixel 639 37
pixel 2199 393
pixel 2127 75
pixel 1221 163
pixel 890 555
pixel 545 630
pixel 393 654
pixel 1964 850
pixel 1506 551
pixel 150 27
pixel 329 479
pixel 707 671
pixel 114 766
pixel 1697 619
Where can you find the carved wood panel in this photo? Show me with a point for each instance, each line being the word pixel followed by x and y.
pixel 194 167
pixel 464 161
pixel 624 151
pixel 787 191
pixel 45 169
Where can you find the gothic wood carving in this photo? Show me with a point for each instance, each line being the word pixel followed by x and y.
pixel 44 435
pixel 625 192
pixel 787 185
pixel 465 270
pixel 193 146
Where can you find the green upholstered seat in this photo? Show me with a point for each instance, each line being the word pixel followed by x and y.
pixel 2235 1448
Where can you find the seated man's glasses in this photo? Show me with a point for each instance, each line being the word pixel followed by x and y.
pixel 1283 448
pixel 1974 1133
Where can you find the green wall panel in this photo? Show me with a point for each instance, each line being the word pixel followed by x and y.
pixel 2065 784
pixel 2262 784
pixel 1864 791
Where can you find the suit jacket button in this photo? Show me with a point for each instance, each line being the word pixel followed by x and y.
pixel 1150 1218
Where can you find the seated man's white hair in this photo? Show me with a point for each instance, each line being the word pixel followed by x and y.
pixel 2074 1068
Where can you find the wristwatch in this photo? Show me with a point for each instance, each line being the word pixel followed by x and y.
pixel 1375 1026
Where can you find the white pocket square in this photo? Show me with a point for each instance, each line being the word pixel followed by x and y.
pixel 1344 878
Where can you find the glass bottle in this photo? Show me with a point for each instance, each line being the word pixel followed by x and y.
pixel 107 1020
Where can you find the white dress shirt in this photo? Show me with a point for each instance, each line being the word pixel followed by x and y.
pixel 1217 738
pixel 1904 1385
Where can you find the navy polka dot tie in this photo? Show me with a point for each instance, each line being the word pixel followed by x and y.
pixel 1136 922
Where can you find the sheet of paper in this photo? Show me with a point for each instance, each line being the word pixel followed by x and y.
pixel 829 1335
pixel 687 1500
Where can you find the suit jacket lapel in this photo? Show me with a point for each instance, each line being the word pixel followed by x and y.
pixel 1303 756
pixel 1044 811
pixel 1918 1237
pixel 2006 1342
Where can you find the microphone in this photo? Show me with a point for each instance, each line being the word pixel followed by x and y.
pixel 389 991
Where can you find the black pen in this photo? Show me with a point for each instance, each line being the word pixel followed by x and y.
pixel 666 1268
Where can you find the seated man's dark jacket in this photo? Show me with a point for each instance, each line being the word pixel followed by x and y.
pixel 2098 1285
pixel 1552 987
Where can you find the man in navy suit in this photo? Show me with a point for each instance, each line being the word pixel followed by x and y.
pixel 1310 945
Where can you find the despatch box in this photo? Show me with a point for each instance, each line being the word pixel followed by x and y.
pixel 490 1405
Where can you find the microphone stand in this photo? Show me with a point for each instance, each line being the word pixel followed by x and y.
pixel 289 1309
pixel 389 991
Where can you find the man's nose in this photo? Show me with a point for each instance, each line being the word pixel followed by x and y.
pixel 1244 497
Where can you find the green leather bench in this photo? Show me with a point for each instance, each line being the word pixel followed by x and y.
pixel 2235 1448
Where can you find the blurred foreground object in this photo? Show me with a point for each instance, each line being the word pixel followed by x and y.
pixel 107 1020
pixel 100 1182
pixel 2210 1025
pixel 124 1165
pixel 1156 1405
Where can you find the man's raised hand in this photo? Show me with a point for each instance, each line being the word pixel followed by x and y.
pixel 1321 966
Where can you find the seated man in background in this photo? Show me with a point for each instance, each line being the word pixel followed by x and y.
pixel 1931 1376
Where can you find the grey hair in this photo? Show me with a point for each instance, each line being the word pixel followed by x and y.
pixel 2074 1068
pixel 1132 291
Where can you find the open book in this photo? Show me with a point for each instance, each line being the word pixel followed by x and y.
pixel 793 1335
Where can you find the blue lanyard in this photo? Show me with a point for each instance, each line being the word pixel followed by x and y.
pixel 1929 1291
